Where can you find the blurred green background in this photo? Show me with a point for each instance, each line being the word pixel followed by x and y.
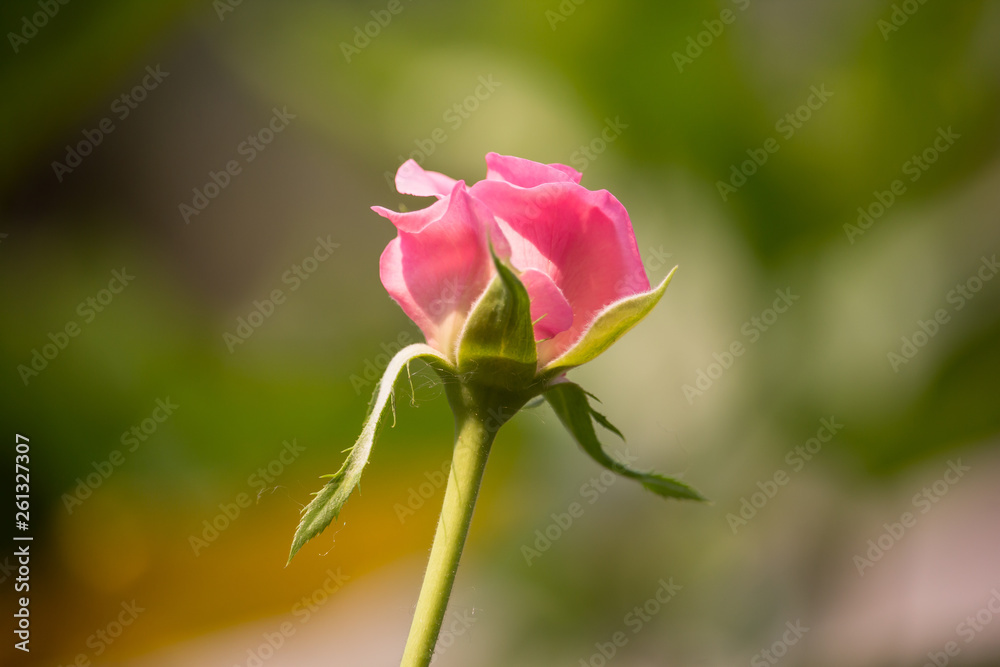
pixel 116 115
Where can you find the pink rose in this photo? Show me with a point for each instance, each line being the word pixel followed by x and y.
pixel 572 248
pixel 514 281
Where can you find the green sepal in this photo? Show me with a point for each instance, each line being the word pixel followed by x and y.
pixel 497 345
pixel 610 324
pixel 569 402
pixel 329 500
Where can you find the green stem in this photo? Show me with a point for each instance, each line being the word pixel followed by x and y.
pixel 472 447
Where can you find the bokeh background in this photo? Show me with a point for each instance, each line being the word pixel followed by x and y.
pixel 656 102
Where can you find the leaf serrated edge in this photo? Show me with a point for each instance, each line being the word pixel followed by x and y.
pixel 325 507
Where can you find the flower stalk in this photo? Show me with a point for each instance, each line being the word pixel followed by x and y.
pixel 472 447
pixel 478 417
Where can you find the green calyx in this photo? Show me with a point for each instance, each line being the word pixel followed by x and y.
pixel 494 374
pixel 497 345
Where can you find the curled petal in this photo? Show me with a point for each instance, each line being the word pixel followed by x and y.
pixel 412 179
pixel 526 173
pixel 415 221
pixel 439 264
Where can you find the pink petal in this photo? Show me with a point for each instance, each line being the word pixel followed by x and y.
pixel 412 179
pixel 415 221
pixel 435 270
pixel 582 240
pixel 550 311
pixel 526 173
